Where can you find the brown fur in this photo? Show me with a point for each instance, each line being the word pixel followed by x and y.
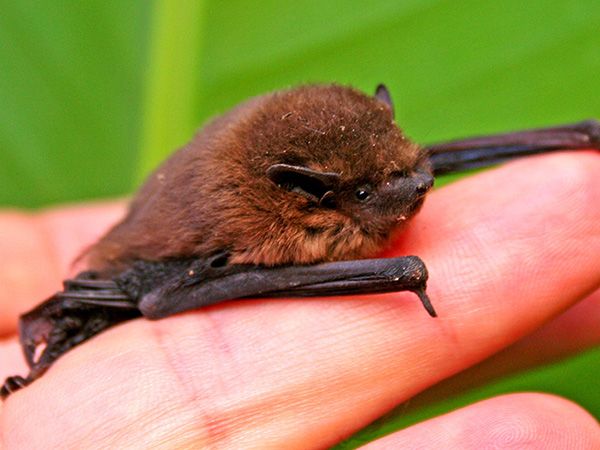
pixel 213 194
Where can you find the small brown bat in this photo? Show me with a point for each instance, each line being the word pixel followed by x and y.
pixel 282 196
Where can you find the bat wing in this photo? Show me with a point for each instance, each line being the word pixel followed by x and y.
pixel 456 156
pixel 203 286
pixel 88 306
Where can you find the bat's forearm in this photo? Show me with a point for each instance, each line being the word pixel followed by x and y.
pixel 369 276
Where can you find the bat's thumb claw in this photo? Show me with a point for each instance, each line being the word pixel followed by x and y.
pixel 425 301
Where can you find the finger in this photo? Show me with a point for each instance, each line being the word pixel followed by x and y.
pixel 574 331
pixel 532 421
pixel 296 373
pixel 37 251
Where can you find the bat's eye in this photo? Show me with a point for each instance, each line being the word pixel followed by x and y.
pixel 362 193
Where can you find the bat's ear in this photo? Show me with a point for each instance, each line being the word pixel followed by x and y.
pixel 383 95
pixel 313 184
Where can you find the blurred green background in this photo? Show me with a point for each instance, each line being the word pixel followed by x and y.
pixel 94 94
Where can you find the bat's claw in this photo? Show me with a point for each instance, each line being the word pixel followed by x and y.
pixel 12 384
pixel 425 301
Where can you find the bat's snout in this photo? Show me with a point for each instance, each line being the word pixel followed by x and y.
pixel 423 183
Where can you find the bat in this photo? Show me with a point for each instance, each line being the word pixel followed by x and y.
pixel 289 194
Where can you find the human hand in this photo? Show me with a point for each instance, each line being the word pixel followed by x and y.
pixel 507 251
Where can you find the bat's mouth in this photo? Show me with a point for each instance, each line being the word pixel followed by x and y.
pixel 418 203
pixel 415 206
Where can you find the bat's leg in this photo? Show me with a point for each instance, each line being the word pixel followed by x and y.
pixel 206 285
pixel 82 310
pixel 471 153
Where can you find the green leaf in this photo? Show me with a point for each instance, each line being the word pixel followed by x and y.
pixel 172 83
pixel 70 99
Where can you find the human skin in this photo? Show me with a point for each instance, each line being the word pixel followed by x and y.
pixel 509 251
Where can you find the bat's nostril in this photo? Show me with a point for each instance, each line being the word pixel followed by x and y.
pixel 424 184
pixel 422 188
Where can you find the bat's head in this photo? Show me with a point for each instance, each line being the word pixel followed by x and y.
pixel 339 174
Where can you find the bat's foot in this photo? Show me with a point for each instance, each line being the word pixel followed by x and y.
pixel 12 384
pixel 86 307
